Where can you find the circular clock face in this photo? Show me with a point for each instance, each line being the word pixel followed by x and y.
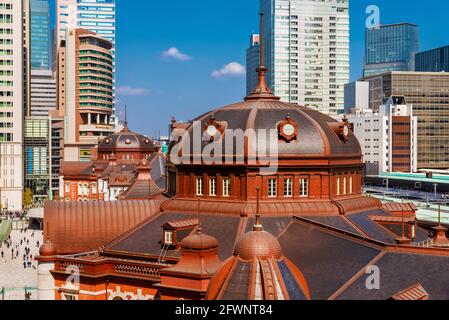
pixel 346 131
pixel 212 130
pixel 288 130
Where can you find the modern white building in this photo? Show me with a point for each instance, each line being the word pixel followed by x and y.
pixel 12 77
pixel 307 51
pixel 95 15
pixel 357 97
pixel 388 138
pixel 252 62
pixel 43 93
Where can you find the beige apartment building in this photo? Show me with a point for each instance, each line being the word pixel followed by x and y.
pixel 12 67
pixel 428 93
pixel 85 91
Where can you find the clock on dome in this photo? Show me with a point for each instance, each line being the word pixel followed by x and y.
pixel 214 129
pixel 288 130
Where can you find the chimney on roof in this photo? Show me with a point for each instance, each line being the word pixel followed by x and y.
pixel 440 238
pixel 404 239
pixel 144 170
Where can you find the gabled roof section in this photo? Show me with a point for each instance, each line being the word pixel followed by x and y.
pixel 416 292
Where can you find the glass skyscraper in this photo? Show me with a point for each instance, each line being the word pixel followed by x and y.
pixel 391 48
pixel 435 60
pixel 40 34
pixel 307 51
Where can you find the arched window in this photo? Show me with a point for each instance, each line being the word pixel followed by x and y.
pixel 344 185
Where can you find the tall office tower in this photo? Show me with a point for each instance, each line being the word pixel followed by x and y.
pixel 40 34
pixel 427 92
pixel 391 48
pixel 85 91
pixel 56 121
pixel 43 93
pixel 252 62
pixel 435 60
pixel 11 104
pixel 307 51
pixel 95 15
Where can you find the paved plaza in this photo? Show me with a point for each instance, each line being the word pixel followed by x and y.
pixel 13 276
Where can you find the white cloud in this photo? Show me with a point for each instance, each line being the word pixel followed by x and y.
pixel 131 91
pixel 230 70
pixel 175 54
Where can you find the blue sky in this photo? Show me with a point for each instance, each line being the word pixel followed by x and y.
pixel 210 34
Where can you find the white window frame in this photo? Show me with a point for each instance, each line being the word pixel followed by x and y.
pixel 213 187
pixel 345 181
pixel 168 237
pixel 288 188
pixel 272 188
pixel 226 187
pixel 351 187
pixel 199 186
pixel 338 186
pixel 303 188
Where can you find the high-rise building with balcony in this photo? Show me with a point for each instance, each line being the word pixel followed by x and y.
pixel 252 62
pixel 391 48
pixel 11 104
pixel 307 51
pixel 95 15
pixel 85 91
pixel 40 34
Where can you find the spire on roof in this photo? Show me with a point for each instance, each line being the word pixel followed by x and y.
pixel 125 124
pixel 262 91
pixel 258 225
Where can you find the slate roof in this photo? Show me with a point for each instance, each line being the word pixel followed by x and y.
pixel 400 271
pixel 327 260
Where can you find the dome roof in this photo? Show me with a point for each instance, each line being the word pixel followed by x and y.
pixel 198 241
pixel 124 140
pixel 258 244
pixel 316 133
pixel 48 249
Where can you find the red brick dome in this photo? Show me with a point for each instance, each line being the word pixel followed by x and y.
pixel 258 244
pixel 48 249
pixel 199 241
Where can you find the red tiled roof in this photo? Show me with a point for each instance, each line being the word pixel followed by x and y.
pixel 77 169
pixel 178 224
pixel 399 207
